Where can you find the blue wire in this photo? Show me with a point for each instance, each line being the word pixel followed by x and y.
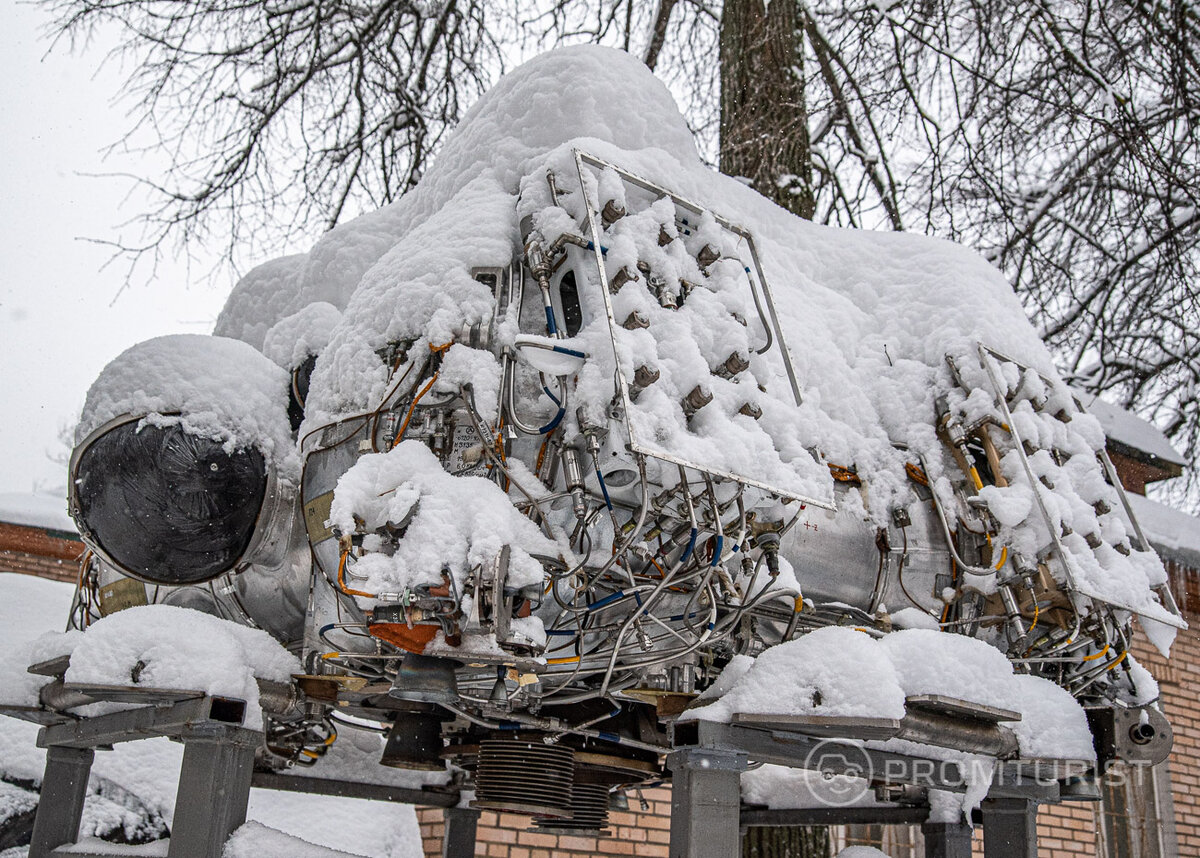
pixel 688 551
pixel 553 424
pixel 604 490
pixel 717 552
pixel 566 351
pixel 607 600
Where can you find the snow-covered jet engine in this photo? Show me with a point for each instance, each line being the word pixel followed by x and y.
pixel 576 443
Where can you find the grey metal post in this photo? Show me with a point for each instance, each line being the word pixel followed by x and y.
pixel 458 832
pixel 706 798
pixel 947 839
pixel 214 789
pixel 64 787
pixel 1009 828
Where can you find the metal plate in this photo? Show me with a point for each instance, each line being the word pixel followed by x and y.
pixel 131 693
pixel 822 725
pixel 961 708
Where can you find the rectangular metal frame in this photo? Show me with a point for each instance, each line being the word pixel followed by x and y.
pixel 986 355
pixel 582 158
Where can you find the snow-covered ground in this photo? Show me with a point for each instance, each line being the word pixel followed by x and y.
pixel 133 786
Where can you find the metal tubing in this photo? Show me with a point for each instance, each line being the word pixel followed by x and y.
pixel 64 787
pixel 214 789
pixel 422 797
pixel 458 832
pixel 705 803
pixel 961 734
pixel 1009 828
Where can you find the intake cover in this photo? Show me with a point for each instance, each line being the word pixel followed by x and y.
pixel 166 506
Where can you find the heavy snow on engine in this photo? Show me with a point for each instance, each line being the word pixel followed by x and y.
pixel 174 512
pixel 665 527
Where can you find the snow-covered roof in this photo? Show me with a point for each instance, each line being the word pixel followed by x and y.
pixel 1174 534
pixel 1127 428
pixel 36 509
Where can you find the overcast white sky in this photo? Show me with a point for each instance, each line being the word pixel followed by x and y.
pixel 59 323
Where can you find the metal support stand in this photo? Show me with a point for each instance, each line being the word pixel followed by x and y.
pixel 705 803
pixel 214 779
pixel 947 839
pixel 458 833
pixel 64 787
pixel 214 790
pixel 1009 828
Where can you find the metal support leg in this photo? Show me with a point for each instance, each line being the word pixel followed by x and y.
pixel 947 839
pixel 214 789
pixel 458 832
pixel 1009 828
pixel 64 787
pixel 705 803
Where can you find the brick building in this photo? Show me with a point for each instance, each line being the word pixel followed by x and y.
pixel 37 537
pixel 1141 813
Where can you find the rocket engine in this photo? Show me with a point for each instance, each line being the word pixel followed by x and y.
pixel 558 524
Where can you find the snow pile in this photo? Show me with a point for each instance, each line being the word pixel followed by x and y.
pixel 305 333
pixel 783 788
pixel 914 618
pixel 267 294
pixel 213 387
pixel 161 646
pixel 831 671
pixel 448 523
pixel 158 646
pixel 839 671
pixel 18 687
pixel 36 509
pixel 14 800
pixel 255 840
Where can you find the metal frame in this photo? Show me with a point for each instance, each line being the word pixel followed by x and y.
pixel 986 356
pixel 706 812
pixel 215 777
pixel 776 330
pixel 709 758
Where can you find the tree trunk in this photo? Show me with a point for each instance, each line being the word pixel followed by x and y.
pixel 764 128
pixel 790 842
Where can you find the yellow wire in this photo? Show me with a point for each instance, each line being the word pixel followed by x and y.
pixel 341 577
pixel 400 435
pixel 1096 655
pixel 565 660
pixel 975 479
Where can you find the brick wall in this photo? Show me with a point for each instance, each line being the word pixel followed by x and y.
pixel 507 835
pixel 39 551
